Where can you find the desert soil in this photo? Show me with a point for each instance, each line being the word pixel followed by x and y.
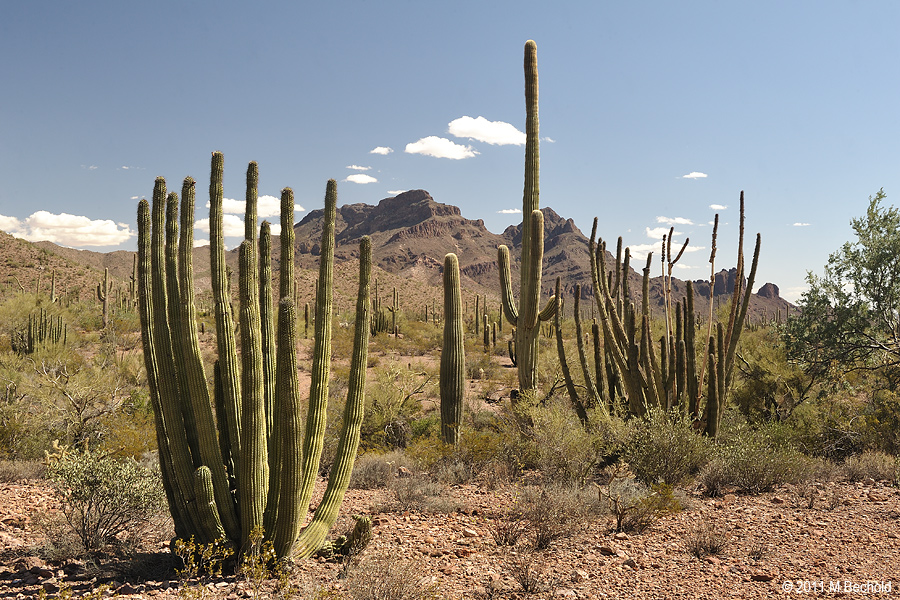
pixel 776 546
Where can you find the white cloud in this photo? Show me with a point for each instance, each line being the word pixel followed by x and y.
pixel 232 226
pixel 381 150
pixel 549 140
pixel 200 243
pixel 657 233
pixel 694 175
pixel 135 198
pixel 396 192
pixel 266 206
pixel 361 178
pixel 801 225
pixel 275 228
pixel 358 168
pixel 439 147
pixel 674 221
pixel 640 251
pixel 67 230
pixel 718 206
pixel 10 224
pixel 686 267
pixel 497 133
pixel 510 211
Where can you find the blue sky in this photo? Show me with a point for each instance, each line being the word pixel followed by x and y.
pixel 796 103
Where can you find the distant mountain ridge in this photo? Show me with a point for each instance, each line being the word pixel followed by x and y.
pixel 410 234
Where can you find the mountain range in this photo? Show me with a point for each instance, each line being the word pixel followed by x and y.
pixel 410 234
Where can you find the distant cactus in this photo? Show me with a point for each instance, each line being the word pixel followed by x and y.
pixel 103 290
pixel 41 329
pixel 250 466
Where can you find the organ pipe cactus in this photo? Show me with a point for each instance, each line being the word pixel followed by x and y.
pixel 527 315
pixel 249 467
pixel 453 354
pixel 669 379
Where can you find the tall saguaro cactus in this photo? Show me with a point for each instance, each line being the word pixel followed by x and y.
pixel 453 354
pixel 249 467
pixel 527 315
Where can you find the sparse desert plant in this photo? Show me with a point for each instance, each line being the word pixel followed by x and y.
pixel 103 498
pixel 634 505
pixel 554 512
pixel 384 577
pixel 663 447
pixel 705 539
pixel 872 464
pixel 376 470
pixel 754 463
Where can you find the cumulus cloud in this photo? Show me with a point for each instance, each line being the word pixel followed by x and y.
pixel 232 226
pixel 674 221
pixel 439 147
pixel 381 150
pixel 67 230
pixel 358 168
pixel 640 251
pixel 275 228
pixel 361 178
pixel 718 206
pixel 497 133
pixel 657 233
pixel 200 243
pixel 510 211
pixel 801 225
pixel 396 192
pixel 266 206
pixel 694 175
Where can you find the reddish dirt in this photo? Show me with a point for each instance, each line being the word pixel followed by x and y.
pixel 775 546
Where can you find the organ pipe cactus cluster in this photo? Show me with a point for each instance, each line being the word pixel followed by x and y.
pixel 526 317
pixel 453 354
pixel 666 377
pixel 248 467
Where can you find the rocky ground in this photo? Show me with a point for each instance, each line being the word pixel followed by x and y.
pixel 773 544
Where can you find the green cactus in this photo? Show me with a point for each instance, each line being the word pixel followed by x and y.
pixel 245 468
pixel 669 379
pixel 453 354
pixel 103 290
pixel 527 316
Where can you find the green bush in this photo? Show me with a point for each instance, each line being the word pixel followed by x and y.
pixel 664 448
pixel 103 497
pixel 754 461
pixel 872 465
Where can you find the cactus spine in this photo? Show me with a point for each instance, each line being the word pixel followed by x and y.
pixel 206 500
pixel 453 354
pixel 527 316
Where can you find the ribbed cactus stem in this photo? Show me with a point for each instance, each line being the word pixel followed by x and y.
pixel 318 392
pixel 254 466
pixel 225 332
pixel 312 537
pixel 453 354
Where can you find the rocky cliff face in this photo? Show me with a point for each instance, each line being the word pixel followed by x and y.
pixel 411 233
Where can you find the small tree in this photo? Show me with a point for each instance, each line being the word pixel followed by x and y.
pixel 849 317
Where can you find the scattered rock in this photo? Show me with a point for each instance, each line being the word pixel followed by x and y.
pixel 607 550
pixel 777 500
pixel 761 577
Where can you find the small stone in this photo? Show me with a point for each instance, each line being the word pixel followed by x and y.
pixel 50 586
pixel 430 540
pixel 629 562
pixel 729 498
pixel 761 577
pixel 607 550
pixel 403 472
pixel 621 536
pixel 777 500
pixel 580 576
pixel 713 560
pixel 470 533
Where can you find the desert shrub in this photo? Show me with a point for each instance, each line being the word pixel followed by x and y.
pixel 103 497
pixel 564 450
pixel 663 447
pixel 415 493
pixel 705 539
pixel 636 506
pixel 392 403
pixel 385 577
pixel 754 461
pixel 12 471
pixel 555 511
pixel 873 464
pixel 375 470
